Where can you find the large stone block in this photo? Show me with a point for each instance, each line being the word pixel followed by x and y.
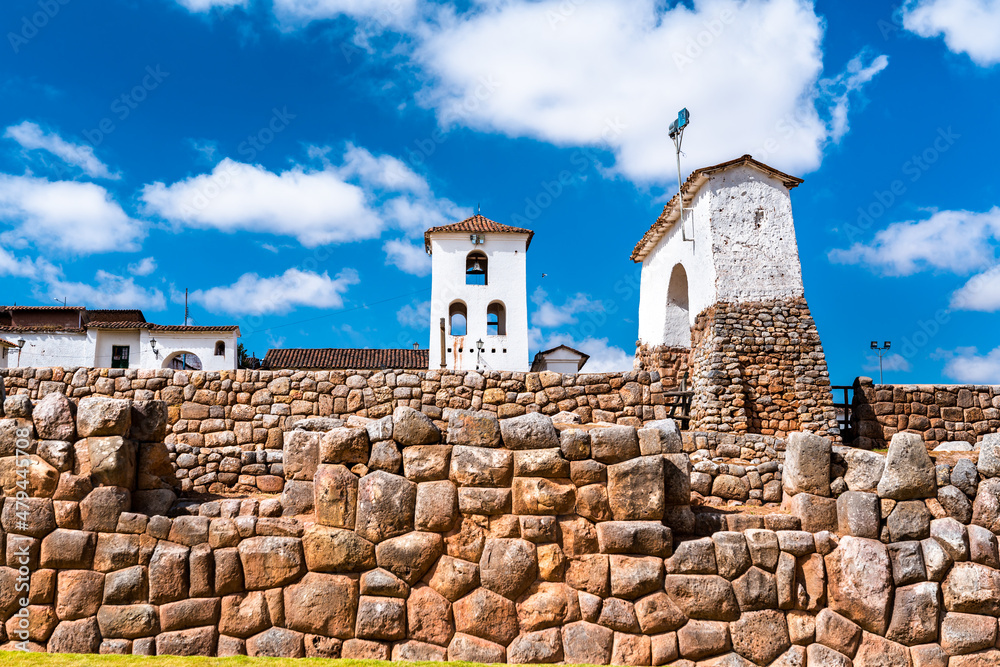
pixel 486 615
pixel 67 549
pixel 760 636
pixel 103 506
pixel 336 550
pixel 271 562
pixel 587 643
pixel 915 614
pixel 322 604
pixel 101 416
pixel 428 616
pixel 547 604
pixel 909 472
pixel 481 466
pixel 635 489
pixel 858 514
pixel 335 491
pixel 972 588
pixel 476 429
pixel 82 636
pixel 986 508
pixel 967 633
pixel 412 427
pixel 657 613
pixel 467 648
pixel 436 508
pixel 508 566
pixel 529 431
pixel 539 647
pixel 191 613
pixel 453 577
pixel 301 454
pixel 807 465
pixel 705 597
pixel 386 505
pixel 613 444
pixel 149 421
pixel 410 556
pixel 245 614
pixel 816 513
pixel 860 582
pixel 541 496
pixel 864 469
pixel 53 417
pixel 700 639
pixel 648 538
pixel 344 445
pixel 635 576
pixel 128 621
pixel 78 594
pixel 989 455
pixel 168 573
pixel 276 643
pixel 425 463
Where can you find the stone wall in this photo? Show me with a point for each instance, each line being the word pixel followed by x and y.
pixel 756 368
pixel 672 363
pixel 940 414
pixel 498 541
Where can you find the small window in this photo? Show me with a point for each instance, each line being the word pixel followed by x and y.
pixel 220 348
pixel 496 319
pixel 458 319
pixel 476 269
pixel 119 356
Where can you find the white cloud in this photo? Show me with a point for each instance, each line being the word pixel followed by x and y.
pixel 549 315
pixel 110 291
pixel 143 267
pixel 968 367
pixel 316 207
pixel 385 13
pixel 954 241
pixel 25 267
pixel 354 201
pixel 610 73
pixel 78 218
pixel 407 257
pixel 415 315
pixel 840 88
pixel 253 295
pixel 32 137
pixel 981 292
pixel 890 362
pixel 202 6
pixel 968 26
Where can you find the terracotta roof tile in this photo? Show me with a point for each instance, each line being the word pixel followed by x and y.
pixel 116 315
pixel 477 223
pixel 690 186
pixel 344 358
pixel 159 327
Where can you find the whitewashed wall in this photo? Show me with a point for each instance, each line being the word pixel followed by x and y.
pixel 506 283
pixel 744 250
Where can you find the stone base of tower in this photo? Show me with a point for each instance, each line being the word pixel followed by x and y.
pixel 754 368
pixel 672 363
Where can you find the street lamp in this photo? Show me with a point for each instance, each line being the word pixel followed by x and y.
pixel 480 346
pixel 152 344
pixel 881 351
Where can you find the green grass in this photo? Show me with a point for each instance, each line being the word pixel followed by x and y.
pixel 19 659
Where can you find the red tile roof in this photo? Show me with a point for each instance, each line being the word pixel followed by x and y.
pixel 41 308
pixel 477 223
pixel 689 188
pixel 4 343
pixel 347 358
pixel 54 328
pixel 111 315
pixel 160 327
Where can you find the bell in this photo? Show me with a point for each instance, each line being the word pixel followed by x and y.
pixel 476 269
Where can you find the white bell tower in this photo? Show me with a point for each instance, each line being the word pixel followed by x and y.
pixel 479 292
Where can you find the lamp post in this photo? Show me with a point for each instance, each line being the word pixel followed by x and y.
pixel 152 344
pixel 480 346
pixel 881 351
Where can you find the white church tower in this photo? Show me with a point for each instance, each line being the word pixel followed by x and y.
pixel 479 301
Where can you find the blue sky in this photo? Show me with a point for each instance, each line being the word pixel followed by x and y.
pixel 281 159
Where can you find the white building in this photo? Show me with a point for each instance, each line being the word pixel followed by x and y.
pixel 479 292
pixel 74 336
pixel 560 359
pixel 737 245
